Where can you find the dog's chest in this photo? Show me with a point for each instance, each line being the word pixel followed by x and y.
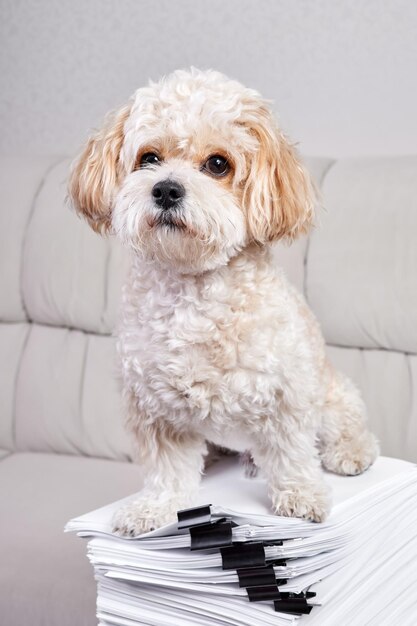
pixel 189 348
pixel 197 354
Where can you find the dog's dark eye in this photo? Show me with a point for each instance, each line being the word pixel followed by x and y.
pixel 149 158
pixel 217 165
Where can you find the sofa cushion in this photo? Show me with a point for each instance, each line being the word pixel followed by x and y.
pixel 387 380
pixel 361 262
pixel 70 276
pixel 20 181
pixel 45 577
pixel 67 397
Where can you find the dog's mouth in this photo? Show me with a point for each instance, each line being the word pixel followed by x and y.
pixel 170 220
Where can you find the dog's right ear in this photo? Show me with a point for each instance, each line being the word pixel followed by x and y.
pixel 97 172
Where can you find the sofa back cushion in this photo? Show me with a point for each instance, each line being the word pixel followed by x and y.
pixel 60 286
pixel 362 262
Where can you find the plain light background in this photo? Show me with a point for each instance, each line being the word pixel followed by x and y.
pixel 342 73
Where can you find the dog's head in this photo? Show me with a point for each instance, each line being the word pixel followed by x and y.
pixel 191 171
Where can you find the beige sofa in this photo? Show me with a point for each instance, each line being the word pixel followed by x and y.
pixel 63 450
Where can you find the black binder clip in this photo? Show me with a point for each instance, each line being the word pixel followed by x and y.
pixel 294 603
pixel 243 555
pixel 279 562
pixel 256 576
pixel 213 535
pixel 193 517
pixel 264 592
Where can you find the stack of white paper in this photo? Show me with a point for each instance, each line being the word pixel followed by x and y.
pixel 361 564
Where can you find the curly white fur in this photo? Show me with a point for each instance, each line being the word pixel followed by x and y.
pixel 215 344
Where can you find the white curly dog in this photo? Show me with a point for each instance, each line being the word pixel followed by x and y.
pixel 196 178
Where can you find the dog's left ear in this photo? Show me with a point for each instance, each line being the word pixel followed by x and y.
pixel 278 193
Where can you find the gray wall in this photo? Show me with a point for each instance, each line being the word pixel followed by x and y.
pixel 342 73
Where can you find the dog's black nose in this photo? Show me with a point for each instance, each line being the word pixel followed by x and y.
pixel 168 193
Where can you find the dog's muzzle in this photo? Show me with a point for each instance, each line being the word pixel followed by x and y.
pixel 168 194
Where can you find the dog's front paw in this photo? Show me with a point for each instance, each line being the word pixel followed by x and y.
pixel 142 516
pixel 310 501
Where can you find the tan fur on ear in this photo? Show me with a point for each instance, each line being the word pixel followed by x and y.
pixel 97 172
pixel 278 193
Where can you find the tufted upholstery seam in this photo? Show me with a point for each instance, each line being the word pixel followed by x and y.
pixel 111 335
pixel 408 435
pixel 319 186
pixel 16 378
pixel 106 283
pixel 63 326
pixel 369 349
pixel 82 384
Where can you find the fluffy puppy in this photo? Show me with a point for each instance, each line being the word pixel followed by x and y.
pixel 196 179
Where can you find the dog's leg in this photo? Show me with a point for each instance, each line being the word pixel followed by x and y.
pixel 249 466
pixel 291 464
pixel 173 464
pixel 346 445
